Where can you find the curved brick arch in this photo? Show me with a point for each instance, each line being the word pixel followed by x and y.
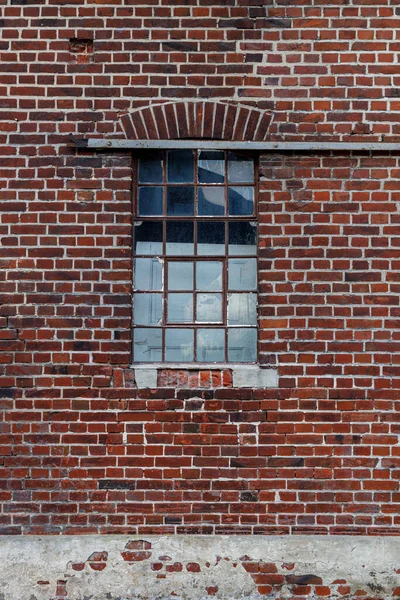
pixel 202 120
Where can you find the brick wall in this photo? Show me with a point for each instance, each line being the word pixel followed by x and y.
pixel 82 450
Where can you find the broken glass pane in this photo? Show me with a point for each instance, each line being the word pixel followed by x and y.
pixel 179 345
pixel 242 238
pixel 150 201
pixel 180 275
pixel 210 345
pixel 147 309
pixel 148 274
pixel 180 166
pixel 211 167
pixel 211 201
pixel 210 239
pixel 241 200
pixel 180 308
pixel 150 167
pixel 148 238
pixel 180 238
pixel 242 274
pixel 209 275
pixel 180 201
pixel 147 345
pixel 209 308
pixel 240 169
pixel 242 309
pixel 242 345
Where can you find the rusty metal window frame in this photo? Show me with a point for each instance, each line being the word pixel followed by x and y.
pixel 165 259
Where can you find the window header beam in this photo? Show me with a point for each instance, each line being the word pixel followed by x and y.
pixel 120 144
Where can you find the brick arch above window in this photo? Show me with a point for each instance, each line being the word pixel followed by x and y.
pixel 197 120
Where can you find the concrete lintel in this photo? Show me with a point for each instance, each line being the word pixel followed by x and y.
pixel 253 376
pixel 122 144
pixel 146 377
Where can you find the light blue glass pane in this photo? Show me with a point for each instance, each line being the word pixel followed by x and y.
pixel 180 275
pixel 209 275
pixel 180 308
pixel 147 274
pixel 148 238
pixel 147 309
pixel 150 201
pixel 211 201
pixel 211 345
pixel 209 308
pixel 179 345
pixel 241 200
pixel 211 167
pixel 242 238
pixel 242 345
pixel 147 345
pixel 242 309
pixel 242 274
pixel 180 201
pixel 180 238
pixel 210 239
pixel 150 167
pixel 180 166
pixel 240 169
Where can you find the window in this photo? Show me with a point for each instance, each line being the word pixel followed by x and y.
pixel 195 266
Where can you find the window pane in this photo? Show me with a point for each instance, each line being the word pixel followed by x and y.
pixel 148 238
pixel 180 166
pixel 180 201
pixel 210 345
pixel 179 345
pixel 180 238
pixel 211 167
pixel 180 308
pixel 147 345
pixel 242 238
pixel 211 201
pixel 147 309
pixel 209 308
pixel 150 167
pixel 240 169
pixel 148 274
pixel 241 200
pixel 209 275
pixel 180 275
pixel 210 239
pixel 242 274
pixel 242 309
pixel 150 201
pixel 242 345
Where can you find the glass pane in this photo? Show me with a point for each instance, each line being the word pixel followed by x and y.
pixel 147 309
pixel 211 201
pixel 240 169
pixel 210 239
pixel 148 238
pixel 242 345
pixel 209 275
pixel 150 167
pixel 150 201
pixel 241 200
pixel 211 345
pixel 180 275
pixel 147 345
pixel 148 274
pixel 180 238
pixel 209 308
pixel 180 166
pixel 180 308
pixel 242 274
pixel 180 201
pixel 242 238
pixel 242 309
pixel 179 345
pixel 211 167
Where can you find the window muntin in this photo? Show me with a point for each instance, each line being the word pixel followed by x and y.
pixel 195 267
